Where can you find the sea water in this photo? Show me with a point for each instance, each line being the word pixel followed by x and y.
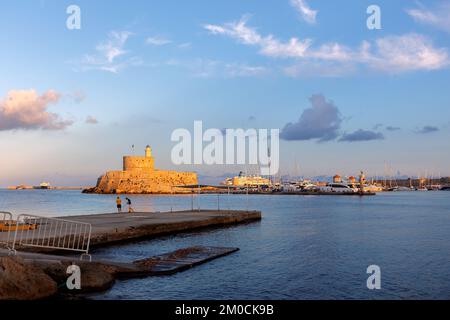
pixel 305 247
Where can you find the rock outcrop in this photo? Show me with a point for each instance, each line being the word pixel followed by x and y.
pixel 94 276
pixel 22 281
pixel 39 279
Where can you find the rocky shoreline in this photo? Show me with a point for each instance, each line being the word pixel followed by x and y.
pixel 22 279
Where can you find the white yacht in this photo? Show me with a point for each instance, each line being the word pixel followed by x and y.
pixel 338 188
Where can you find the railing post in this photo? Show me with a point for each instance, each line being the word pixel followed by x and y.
pixel 6 220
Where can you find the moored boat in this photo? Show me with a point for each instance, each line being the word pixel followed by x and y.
pixel 338 188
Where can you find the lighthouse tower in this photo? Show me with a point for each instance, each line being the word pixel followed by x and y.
pixel 148 151
pixel 143 164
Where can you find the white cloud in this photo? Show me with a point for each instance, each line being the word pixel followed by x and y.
pixel 213 68
pixel 77 96
pixel 207 68
pixel 293 48
pixel 438 17
pixel 326 69
pixel 114 46
pixel 26 109
pixel 157 41
pixel 269 45
pixel 237 30
pixel 91 120
pixel 185 45
pixel 410 52
pixel 110 54
pixel 306 13
pixel 332 51
pixel 392 54
pixel 242 70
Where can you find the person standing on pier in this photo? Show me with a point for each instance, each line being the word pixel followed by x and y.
pixel 119 204
pixel 130 209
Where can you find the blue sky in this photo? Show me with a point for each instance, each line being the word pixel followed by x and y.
pixel 137 70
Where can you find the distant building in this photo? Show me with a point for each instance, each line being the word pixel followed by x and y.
pixel 352 179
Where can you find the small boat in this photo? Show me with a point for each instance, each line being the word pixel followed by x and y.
pixel 390 189
pixel 405 189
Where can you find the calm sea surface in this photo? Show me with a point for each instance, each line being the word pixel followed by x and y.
pixel 306 247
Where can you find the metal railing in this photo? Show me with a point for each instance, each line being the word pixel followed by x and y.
pixel 52 233
pixel 5 229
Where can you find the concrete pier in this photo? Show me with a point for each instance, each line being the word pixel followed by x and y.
pixel 114 227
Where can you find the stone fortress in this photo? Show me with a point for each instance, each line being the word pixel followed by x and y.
pixel 140 176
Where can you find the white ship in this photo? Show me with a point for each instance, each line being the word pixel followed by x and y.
pixel 43 185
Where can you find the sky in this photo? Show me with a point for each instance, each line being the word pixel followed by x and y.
pixel 345 97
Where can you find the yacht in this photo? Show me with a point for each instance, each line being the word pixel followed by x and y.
pixel 338 188
pixel 298 186
pixel 401 188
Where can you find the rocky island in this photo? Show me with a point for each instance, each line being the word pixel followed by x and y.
pixel 140 177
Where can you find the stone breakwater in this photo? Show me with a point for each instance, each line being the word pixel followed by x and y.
pixel 140 177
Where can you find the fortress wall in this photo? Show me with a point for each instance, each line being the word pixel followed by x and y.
pixel 169 179
pixel 141 164
pixel 158 181
pixel 109 181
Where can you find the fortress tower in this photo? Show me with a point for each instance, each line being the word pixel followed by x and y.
pixel 139 164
